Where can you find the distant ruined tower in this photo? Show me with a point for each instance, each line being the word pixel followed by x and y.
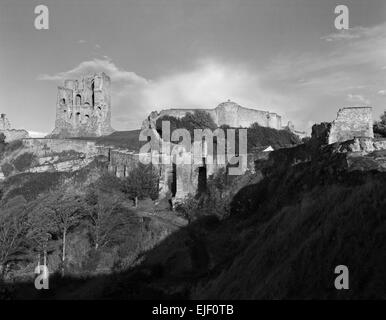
pixel 4 122
pixel 83 107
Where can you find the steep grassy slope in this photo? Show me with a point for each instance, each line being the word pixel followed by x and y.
pixel 283 240
pixel 297 238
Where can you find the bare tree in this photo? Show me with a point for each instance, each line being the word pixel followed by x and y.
pixel 105 218
pixel 141 182
pixel 59 212
pixel 13 232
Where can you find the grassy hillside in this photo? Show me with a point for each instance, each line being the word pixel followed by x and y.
pixel 283 239
pixel 119 139
pixel 297 229
pixel 257 136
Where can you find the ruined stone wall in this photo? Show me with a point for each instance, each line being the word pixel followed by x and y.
pixel 175 180
pixel 234 115
pixel 4 122
pixel 10 134
pixel 351 122
pixel 14 134
pixel 226 113
pixel 83 107
pixel 122 162
pixel 42 147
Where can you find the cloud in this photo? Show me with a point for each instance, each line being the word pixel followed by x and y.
pixel 300 87
pixel 347 70
pixel 382 92
pixel 350 34
pixel 204 86
pixel 81 41
pixel 207 84
pixel 37 134
pixel 357 98
pixel 93 66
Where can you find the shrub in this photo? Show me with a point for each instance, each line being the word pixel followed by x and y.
pixel 141 182
pixel 199 119
pixel 108 183
pixel 33 184
pixel 189 208
pixel 14 145
pixel 24 161
pixel 379 127
pixel 259 136
pixel 7 169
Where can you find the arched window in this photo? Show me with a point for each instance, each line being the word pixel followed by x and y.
pixel 92 97
pixel 78 100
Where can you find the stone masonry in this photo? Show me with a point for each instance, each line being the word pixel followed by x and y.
pixel 4 122
pixel 83 107
pixel 10 134
pixel 226 113
pixel 350 123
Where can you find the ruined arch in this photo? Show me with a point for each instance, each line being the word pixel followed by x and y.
pixel 78 99
pixel 173 180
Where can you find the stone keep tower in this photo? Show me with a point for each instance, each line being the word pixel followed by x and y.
pixel 83 107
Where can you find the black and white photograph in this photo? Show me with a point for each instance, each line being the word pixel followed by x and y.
pixel 194 154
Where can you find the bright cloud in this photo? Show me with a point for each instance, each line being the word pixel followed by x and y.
pixel 358 98
pixel 206 85
pixel 352 33
pixel 96 65
pixel 347 69
pixel 37 134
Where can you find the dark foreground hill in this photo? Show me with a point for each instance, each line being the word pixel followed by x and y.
pixel 283 239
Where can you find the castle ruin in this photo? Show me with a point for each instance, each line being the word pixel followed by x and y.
pixel 83 107
pixel 226 113
pixel 9 133
pixel 4 122
pixel 350 123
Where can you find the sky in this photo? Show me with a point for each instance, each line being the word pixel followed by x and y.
pixel 283 56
